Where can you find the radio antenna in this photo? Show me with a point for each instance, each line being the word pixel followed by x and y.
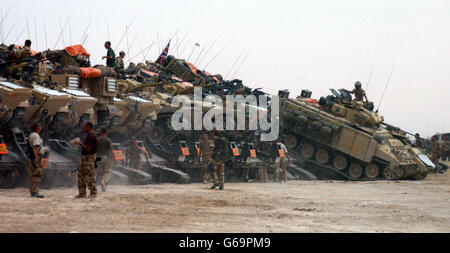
pixel 385 87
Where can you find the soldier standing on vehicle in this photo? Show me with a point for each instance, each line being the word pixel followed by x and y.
pixel 24 51
pixel 35 155
pixel 105 152
pixel 282 153
pixel 110 55
pixel 419 142
pixel 134 156
pixel 358 92
pixel 220 155
pixel 206 151
pixel 119 61
pixel 435 151
pixel 86 172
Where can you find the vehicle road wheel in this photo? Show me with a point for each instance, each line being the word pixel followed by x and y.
pixel 307 150
pixel 340 162
pixel 389 174
pixel 156 135
pixel 322 156
pixel 372 171
pixel 291 141
pixel 355 170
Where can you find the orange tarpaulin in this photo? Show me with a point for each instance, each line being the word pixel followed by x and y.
pixel 149 73
pixel 77 50
pixel 187 84
pixel 192 67
pixel 311 101
pixel 90 72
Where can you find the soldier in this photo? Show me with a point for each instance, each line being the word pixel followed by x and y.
pixel 24 51
pixel 419 142
pixel 86 172
pixel 435 151
pixel 206 151
pixel 359 93
pixel 119 61
pixel 262 173
pixel 35 155
pixel 105 152
pixel 134 156
pixel 445 149
pixel 220 155
pixel 282 165
pixel 110 55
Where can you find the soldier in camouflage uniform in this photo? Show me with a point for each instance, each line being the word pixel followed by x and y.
pixel 119 61
pixel 220 155
pixel 86 172
pixel 206 151
pixel 358 92
pixel 445 149
pixel 35 155
pixel 106 154
pixel 134 156
pixel 24 51
pixel 419 142
pixel 282 165
pixel 435 151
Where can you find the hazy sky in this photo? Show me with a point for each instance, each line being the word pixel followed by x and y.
pixel 293 45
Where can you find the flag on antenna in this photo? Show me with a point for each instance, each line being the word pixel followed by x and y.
pixel 197 45
pixel 164 54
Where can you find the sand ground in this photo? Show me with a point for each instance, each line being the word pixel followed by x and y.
pixel 295 206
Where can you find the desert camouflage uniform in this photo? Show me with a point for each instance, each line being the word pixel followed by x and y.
pixel 104 167
pixel 435 152
pixel 359 94
pixel 134 156
pixel 86 175
pixel 419 142
pixel 204 152
pixel 282 165
pixel 36 173
pixel 445 150
pixel 36 169
pixel 281 168
pixel 262 174
pixel 119 63
pixel 220 155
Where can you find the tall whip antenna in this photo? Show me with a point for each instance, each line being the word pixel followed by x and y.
pixel 234 63
pixel 239 67
pixel 370 76
pixel 220 52
pixel 385 87
pixel 126 30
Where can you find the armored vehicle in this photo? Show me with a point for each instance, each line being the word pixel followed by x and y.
pixel 346 141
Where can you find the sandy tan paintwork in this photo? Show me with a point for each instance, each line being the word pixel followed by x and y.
pixel 13 98
pixel 51 103
pixel 357 114
pixel 361 144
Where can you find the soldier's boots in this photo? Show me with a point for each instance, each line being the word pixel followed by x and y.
pixel 37 195
pixel 221 187
pixel 79 196
pixel 213 187
pixel 92 196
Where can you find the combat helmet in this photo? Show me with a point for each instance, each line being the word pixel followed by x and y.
pixel 358 84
